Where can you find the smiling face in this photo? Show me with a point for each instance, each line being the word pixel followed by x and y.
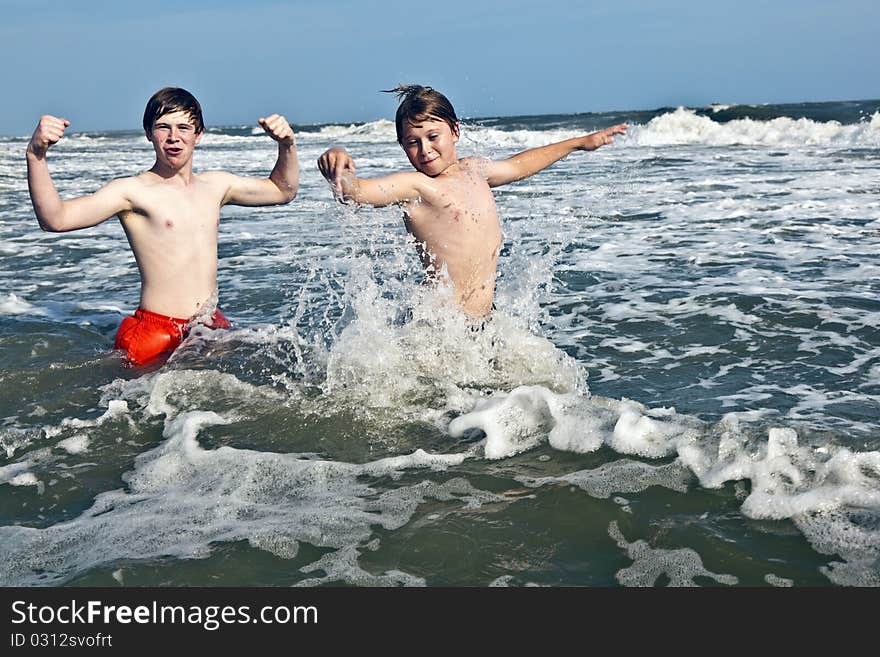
pixel 174 138
pixel 430 145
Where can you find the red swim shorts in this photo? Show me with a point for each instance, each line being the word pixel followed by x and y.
pixel 147 335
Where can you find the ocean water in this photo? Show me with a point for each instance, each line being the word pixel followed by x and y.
pixel 680 385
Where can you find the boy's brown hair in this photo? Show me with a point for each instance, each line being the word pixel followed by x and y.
pixel 173 99
pixel 418 103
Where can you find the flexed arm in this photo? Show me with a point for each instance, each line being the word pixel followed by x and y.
pixel 525 164
pixel 282 184
pixel 338 167
pixel 54 214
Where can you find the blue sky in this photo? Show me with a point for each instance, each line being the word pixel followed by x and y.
pixel 97 62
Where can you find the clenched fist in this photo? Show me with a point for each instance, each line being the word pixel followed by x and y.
pixel 49 131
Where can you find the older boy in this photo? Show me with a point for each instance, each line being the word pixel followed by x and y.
pixel 447 202
pixel 170 216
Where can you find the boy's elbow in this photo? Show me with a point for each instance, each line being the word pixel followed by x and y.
pixel 285 197
pixel 51 225
pixel 286 193
pixel 54 229
pixel 54 218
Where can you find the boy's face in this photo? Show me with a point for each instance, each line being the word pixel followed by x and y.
pixel 430 145
pixel 174 138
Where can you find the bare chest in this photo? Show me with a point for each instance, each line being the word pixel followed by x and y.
pixel 459 209
pixel 176 214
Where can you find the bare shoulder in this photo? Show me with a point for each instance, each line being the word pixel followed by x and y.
pixel 404 185
pixel 474 161
pixel 127 181
pixel 137 187
pixel 143 180
pixel 426 188
pixel 419 180
pixel 212 176
pixel 222 178
pixel 410 177
pixel 476 165
pixel 125 187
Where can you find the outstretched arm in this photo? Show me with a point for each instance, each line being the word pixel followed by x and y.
pixel 54 214
pixel 338 168
pixel 525 164
pixel 282 184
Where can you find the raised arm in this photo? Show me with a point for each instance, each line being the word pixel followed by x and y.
pixel 282 184
pixel 525 164
pixel 54 214
pixel 338 168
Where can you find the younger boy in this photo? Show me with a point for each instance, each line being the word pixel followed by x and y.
pixel 447 202
pixel 170 216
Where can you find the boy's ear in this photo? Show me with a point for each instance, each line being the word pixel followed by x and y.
pixel 149 135
pixel 455 131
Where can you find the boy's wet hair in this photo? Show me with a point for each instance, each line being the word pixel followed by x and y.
pixel 418 103
pixel 173 99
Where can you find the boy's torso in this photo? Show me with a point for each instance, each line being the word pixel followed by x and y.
pixel 172 229
pixel 455 225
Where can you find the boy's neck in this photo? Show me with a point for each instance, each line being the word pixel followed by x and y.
pixel 184 174
pixel 451 169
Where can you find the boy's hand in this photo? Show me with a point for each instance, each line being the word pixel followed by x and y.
pixel 49 131
pixel 336 163
pixel 596 139
pixel 277 127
